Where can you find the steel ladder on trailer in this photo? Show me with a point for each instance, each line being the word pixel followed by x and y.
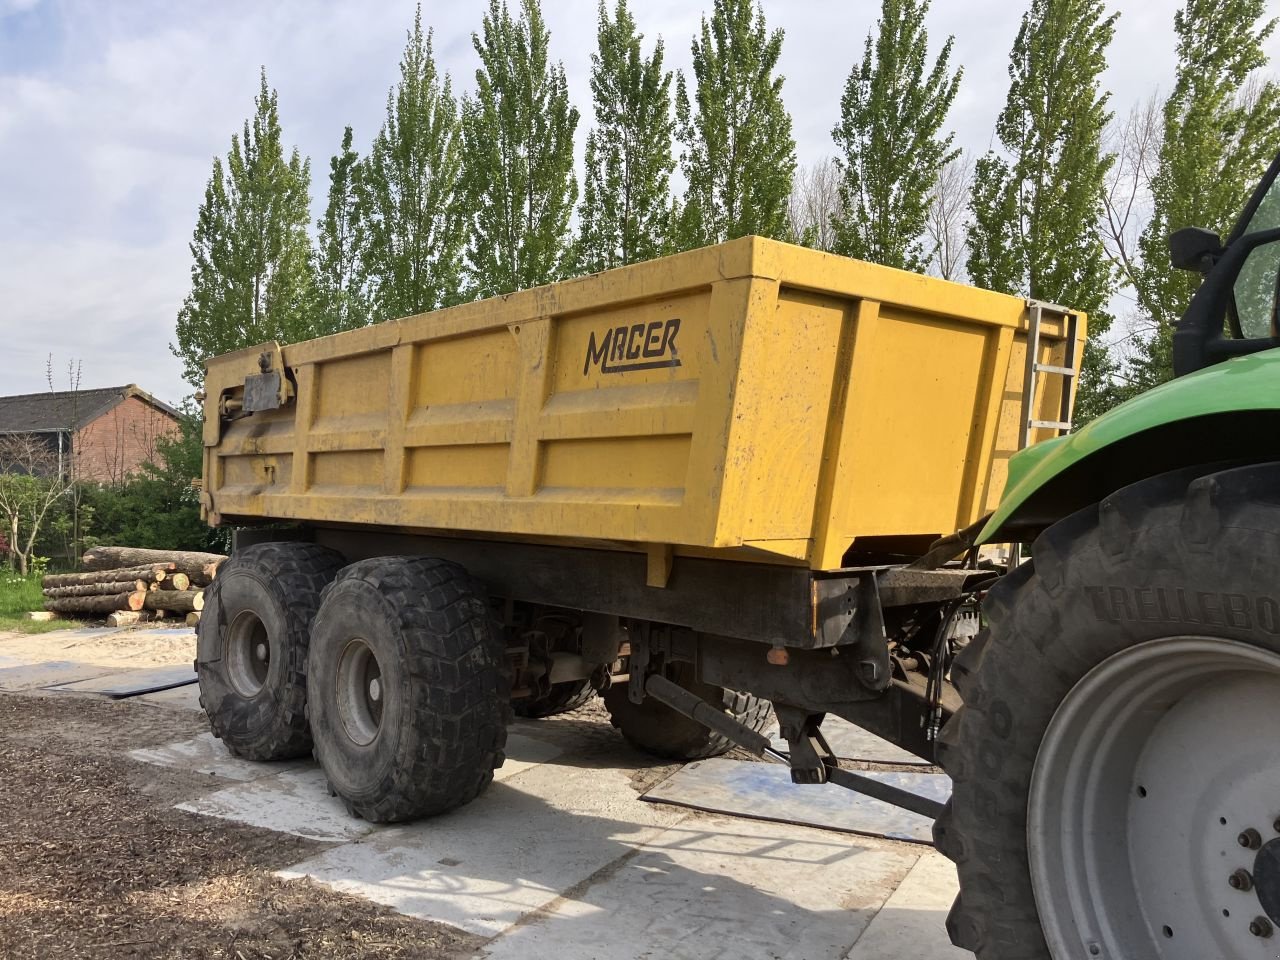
pixel 1037 310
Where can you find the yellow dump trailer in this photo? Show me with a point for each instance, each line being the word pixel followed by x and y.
pixel 702 487
pixel 755 396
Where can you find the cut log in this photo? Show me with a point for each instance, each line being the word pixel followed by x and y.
pixel 100 604
pixel 142 571
pixel 171 601
pixel 176 581
pixel 193 618
pixel 209 571
pixel 191 563
pixel 125 618
pixel 94 589
pixel 43 616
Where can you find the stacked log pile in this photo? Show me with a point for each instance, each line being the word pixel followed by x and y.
pixel 132 585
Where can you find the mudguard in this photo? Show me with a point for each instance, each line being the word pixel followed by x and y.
pixel 1229 411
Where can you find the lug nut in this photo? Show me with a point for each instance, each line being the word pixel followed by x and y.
pixel 1260 927
pixel 1240 880
pixel 1250 839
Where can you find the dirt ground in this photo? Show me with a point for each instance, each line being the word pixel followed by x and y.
pixel 136 647
pixel 95 862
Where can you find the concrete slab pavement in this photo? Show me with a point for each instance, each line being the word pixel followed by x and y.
pixel 560 859
pixel 717 887
pixel 911 924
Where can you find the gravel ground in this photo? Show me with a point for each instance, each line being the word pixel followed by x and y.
pixel 94 862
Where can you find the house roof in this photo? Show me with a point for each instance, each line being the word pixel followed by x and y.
pixel 52 411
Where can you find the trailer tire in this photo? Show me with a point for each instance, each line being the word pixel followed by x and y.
pixel 655 728
pixel 251 647
pixel 408 689
pixel 1112 712
pixel 561 698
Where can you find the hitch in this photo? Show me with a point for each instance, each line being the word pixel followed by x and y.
pixel 810 756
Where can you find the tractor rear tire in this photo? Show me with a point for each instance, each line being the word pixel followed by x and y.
pixel 656 729
pixel 251 647
pixel 408 688
pixel 561 698
pixel 1115 765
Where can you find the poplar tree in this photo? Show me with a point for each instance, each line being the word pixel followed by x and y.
pixel 626 207
pixel 1221 129
pixel 1037 203
pixel 738 153
pixel 342 300
pixel 413 210
pixel 891 141
pixel 517 135
pixel 251 276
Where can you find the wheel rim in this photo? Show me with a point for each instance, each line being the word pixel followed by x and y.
pixel 1156 769
pixel 248 653
pixel 361 693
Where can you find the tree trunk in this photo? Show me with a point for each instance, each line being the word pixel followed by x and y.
pixel 147 572
pixel 111 588
pixel 171 601
pixel 191 563
pixel 193 618
pixel 99 604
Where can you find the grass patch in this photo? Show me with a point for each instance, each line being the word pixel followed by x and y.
pixel 18 595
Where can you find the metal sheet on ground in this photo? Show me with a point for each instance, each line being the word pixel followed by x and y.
pixel 720 887
pixel 130 683
pixel 764 791
pixel 850 742
pixel 179 698
pixel 33 676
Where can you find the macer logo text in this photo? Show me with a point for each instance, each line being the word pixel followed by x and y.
pixel 641 346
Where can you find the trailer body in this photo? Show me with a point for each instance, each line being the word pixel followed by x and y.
pixel 752 401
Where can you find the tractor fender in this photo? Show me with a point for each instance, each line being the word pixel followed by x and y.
pixel 1227 412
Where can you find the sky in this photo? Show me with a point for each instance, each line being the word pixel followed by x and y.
pixel 111 114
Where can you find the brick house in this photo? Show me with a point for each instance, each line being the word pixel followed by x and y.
pixel 99 436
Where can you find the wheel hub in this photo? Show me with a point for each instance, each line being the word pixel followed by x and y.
pixel 360 692
pixel 247 652
pixel 1266 879
pixel 1150 791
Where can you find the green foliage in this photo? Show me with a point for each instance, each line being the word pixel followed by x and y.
pixel 626 208
pixel 739 156
pixel 251 279
pixel 414 215
pixel 1036 204
pixel 517 134
pixel 18 595
pixel 342 300
pixel 891 118
pixel 1221 128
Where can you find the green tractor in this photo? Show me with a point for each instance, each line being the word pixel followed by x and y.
pixel 1116 763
